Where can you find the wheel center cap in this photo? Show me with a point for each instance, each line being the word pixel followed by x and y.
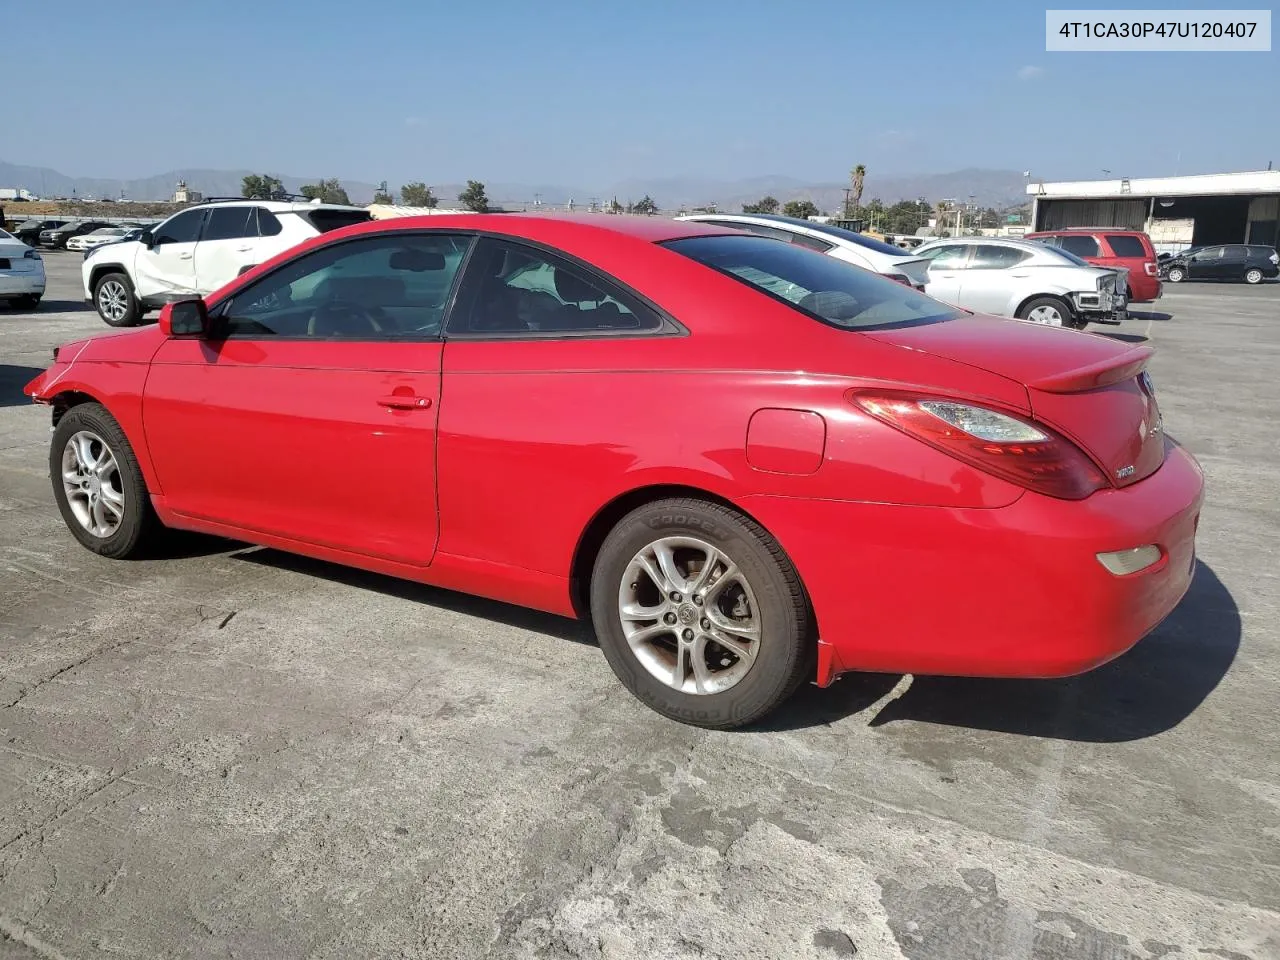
pixel 687 613
pixel 95 486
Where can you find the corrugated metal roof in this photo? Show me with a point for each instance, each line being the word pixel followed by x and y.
pixel 1223 184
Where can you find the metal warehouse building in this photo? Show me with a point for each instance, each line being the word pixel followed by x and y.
pixel 1176 212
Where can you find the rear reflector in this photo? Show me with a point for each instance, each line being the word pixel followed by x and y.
pixel 1124 562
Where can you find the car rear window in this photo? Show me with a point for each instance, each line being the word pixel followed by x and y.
pixel 827 289
pixel 326 220
pixel 1126 245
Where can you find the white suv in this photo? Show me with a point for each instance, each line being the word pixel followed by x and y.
pixel 198 250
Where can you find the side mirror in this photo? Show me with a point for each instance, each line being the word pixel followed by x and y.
pixel 184 318
pixel 148 239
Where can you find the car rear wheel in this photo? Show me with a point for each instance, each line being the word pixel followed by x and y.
pixel 1049 311
pixel 1253 275
pixel 98 485
pixel 700 613
pixel 30 302
pixel 1177 274
pixel 114 297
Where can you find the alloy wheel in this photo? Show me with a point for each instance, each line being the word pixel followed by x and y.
pixel 689 615
pixel 91 481
pixel 1048 315
pixel 113 300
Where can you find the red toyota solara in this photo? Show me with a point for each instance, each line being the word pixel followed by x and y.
pixel 749 464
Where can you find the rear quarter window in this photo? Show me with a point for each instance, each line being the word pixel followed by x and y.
pixel 326 220
pixel 1124 245
pixel 824 288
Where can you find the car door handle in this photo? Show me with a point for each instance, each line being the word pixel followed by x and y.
pixel 243 249
pixel 398 401
pixel 184 256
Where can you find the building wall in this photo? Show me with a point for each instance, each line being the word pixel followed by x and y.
pixel 1124 214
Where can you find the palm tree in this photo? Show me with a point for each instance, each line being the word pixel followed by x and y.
pixel 859 174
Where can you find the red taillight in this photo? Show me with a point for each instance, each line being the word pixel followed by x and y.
pixel 1023 452
pixel 1150 267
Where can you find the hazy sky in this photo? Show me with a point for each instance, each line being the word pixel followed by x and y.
pixel 594 91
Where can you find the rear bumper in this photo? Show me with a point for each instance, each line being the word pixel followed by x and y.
pixel 1016 591
pixel 21 284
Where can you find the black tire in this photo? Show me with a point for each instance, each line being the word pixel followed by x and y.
pixel 785 650
pixel 1176 274
pixel 132 310
pixel 30 302
pixel 1253 275
pixel 139 527
pixel 1069 320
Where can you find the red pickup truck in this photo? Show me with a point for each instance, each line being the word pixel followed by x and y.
pixel 1105 247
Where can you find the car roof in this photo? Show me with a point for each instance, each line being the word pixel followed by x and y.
pixel 547 225
pixel 275 206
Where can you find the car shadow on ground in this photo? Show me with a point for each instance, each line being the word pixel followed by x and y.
pixel 1125 337
pixel 1156 315
pixel 1151 689
pixel 12 380
pixel 521 617
pixel 63 306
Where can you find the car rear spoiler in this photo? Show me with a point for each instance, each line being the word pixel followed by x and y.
pixel 1101 373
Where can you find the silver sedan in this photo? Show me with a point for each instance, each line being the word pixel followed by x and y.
pixel 1023 279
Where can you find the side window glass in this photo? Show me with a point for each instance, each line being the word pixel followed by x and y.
pixel 950 257
pixel 268 223
pixel 1081 245
pixel 1235 252
pixel 388 287
pixel 993 257
pixel 1209 253
pixel 184 228
pixel 230 223
pixel 514 289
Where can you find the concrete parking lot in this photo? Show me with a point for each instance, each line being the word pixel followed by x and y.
pixel 232 752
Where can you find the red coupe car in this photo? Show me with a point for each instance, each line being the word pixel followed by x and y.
pixel 747 463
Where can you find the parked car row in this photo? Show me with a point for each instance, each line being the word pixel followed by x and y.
pixel 66 234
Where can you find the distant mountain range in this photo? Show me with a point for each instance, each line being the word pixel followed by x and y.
pixel 993 188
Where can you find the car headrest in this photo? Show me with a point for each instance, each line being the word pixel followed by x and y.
pixel 417 261
pixel 573 290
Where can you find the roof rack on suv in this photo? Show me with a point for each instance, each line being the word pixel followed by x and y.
pixel 284 198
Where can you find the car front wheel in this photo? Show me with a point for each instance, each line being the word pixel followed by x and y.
pixel 114 297
pixel 98 485
pixel 1050 312
pixel 1177 274
pixel 1253 275
pixel 700 613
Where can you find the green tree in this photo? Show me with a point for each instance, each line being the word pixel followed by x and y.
pixel 614 206
pixel 418 194
pixel 645 205
pixel 262 187
pixel 800 208
pixel 326 191
pixel 763 205
pixel 473 197
pixel 382 196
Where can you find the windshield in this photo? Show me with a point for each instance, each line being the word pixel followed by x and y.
pixel 827 289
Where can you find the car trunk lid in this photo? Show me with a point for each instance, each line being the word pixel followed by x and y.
pixel 1092 389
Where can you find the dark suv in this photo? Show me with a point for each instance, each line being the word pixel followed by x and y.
pixel 29 230
pixel 1250 262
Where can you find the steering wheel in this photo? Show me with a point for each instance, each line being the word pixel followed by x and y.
pixel 341 318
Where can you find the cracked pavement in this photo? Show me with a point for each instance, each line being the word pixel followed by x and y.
pixel 232 752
